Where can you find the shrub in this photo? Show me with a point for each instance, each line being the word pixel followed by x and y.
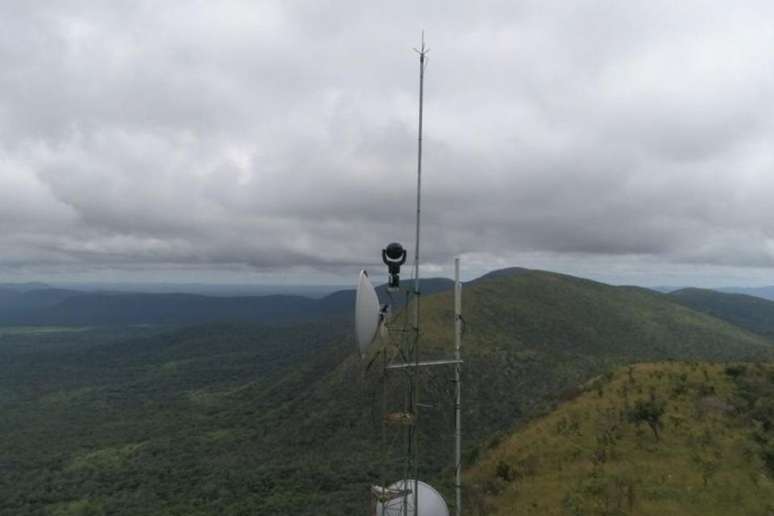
pixel 649 412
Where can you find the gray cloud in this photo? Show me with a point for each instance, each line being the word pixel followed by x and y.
pixel 281 137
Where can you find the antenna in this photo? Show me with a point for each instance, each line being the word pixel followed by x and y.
pixel 412 430
pixel 409 496
pixel 367 313
pixel 422 51
pixel 432 503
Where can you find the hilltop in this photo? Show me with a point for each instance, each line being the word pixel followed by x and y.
pixel 750 312
pixel 682 438
pixel 548 312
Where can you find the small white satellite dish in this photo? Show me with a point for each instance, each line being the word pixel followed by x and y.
pixel 367 314
pixel 431 503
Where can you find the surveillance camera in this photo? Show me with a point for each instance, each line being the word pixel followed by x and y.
pixel 394 255
pixel 395 252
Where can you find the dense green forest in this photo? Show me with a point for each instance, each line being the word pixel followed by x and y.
pixel 237 418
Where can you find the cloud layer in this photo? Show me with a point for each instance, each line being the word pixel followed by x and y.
pixel 280 136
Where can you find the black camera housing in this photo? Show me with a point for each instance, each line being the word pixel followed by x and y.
pixel 393 256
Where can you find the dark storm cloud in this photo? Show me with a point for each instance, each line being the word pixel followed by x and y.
pixel 280 135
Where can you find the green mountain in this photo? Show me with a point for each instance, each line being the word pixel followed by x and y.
pixel 256 419
pixel 750 312
pixel 549 312
pixel 686 438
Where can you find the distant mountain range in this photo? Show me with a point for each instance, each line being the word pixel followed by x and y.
pixel 765 292
pixel 27 304
pixel 24 287
pixel 36 303
pixel 205 289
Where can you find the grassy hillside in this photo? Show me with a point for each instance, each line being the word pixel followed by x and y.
pixel 245 419
pixel 750 312
pixel 665 438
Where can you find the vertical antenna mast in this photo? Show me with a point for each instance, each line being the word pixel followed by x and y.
pixel 409 363
pixel 422 51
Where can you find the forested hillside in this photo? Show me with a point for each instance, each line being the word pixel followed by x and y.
pixel 750 312
pixel 171 423
pixel 285 419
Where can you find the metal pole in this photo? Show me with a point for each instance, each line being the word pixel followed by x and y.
pixel 415 456
pixel 422 53
pixel 457 380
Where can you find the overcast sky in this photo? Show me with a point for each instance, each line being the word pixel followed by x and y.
pixel 631 142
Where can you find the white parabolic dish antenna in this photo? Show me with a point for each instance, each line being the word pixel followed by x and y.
pixel 431 503
pixel 366 313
